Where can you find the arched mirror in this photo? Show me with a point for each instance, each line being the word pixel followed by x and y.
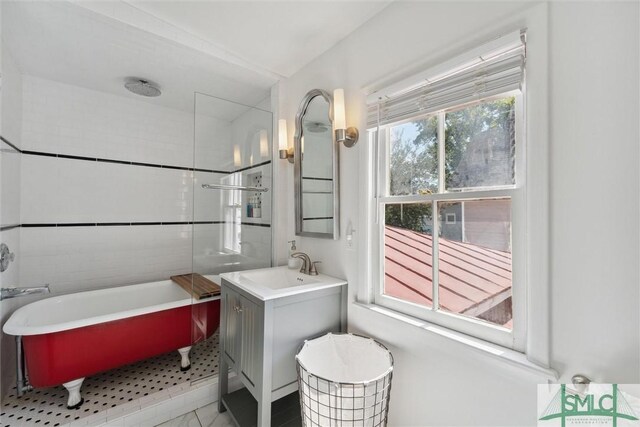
pixel 316 168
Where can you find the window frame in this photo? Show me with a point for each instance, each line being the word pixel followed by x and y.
pixel 232 215
pixel 515 338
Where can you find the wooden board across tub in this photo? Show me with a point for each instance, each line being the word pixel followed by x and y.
pixel 197 285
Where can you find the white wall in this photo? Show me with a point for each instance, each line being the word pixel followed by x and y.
pixel 594 157
pixel 594 171
pixel 10 164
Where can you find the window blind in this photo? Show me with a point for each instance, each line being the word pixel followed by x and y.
pixel 488 70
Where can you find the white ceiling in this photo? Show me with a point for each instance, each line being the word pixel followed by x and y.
pixel 280 36
pixel 233 50
pixel 71 44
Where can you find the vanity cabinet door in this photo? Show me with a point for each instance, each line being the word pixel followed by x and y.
pixel 251 340
pixel 232 313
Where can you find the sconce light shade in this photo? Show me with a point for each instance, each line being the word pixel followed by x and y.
pixel 283 142
pixel 339 115
pixel 264 143
pixel 237 157
pixel 347 135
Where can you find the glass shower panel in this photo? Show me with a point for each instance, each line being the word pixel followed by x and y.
pixel 231 209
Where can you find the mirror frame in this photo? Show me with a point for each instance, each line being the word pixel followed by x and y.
pixel 297 168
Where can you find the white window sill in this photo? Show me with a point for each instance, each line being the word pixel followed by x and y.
pixel 494 351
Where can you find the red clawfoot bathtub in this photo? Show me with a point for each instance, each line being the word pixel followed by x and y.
pixel 70 337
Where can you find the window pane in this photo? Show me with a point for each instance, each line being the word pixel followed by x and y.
pixel 480 145
pixel 408 252
pixel 474 257
pixel 413 159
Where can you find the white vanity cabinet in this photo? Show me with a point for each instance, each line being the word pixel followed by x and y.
pixel 240 333
pixel 260 335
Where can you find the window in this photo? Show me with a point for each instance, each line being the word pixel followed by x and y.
pixel 232 211
pixel 449 179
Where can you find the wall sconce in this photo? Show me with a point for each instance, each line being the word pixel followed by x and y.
pixel 284 150
pixel 237 156
pixel 347 135
pixel 264 143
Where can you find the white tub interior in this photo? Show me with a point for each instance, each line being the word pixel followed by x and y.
pixel 80 309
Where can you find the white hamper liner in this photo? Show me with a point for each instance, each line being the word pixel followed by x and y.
pixel 344 381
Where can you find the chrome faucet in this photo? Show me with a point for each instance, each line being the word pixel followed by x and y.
pixel 308 267
pixel 6 293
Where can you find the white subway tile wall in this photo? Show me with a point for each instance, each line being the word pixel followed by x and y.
pixel 10 278
pixel 10 164
pixel 11 100
pixel 70 120
pixel 66 119
pixel 212 136
pixel 208 203
pixel 80 258
pixel 59 190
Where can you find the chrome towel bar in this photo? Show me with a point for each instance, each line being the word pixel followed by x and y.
pixel 233 187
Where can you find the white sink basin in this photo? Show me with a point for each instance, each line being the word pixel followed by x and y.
pixel 276 282
pixel 277 278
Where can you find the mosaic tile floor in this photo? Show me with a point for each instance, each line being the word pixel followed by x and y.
pixel 47 406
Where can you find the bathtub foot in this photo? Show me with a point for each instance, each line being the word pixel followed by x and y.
pixel 185 363
pixel 73 387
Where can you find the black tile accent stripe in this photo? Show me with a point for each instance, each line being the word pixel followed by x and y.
pixel 317 179
pixel 320 217
pixel 255 224
pixel 126 162
pixel 124 224
pixel 6 141
pixel 121 162
pixel 67 156
pixel 9 227
pixel 251 167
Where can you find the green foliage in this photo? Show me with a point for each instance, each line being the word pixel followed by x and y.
pixel 414 158
pixel 411 216
pixel 463 125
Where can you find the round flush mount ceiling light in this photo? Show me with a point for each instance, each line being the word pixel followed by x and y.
pixel 142 87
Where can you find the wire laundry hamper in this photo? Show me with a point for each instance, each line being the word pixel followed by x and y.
pixel 344 381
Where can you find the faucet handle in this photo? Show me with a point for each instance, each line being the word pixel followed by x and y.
pixel 6 256
pixel 313 270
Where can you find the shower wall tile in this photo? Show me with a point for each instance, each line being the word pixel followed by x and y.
pixel 8 278
pixel 73 259
pixel 61 118
pixel 210 256
pixel 207 247
pixel 10 165
pixel 212 147
pixel 57 190
pixel 208 203
pixel 257 245
pixel 11 99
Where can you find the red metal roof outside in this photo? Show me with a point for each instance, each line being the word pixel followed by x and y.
pixel 472 279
